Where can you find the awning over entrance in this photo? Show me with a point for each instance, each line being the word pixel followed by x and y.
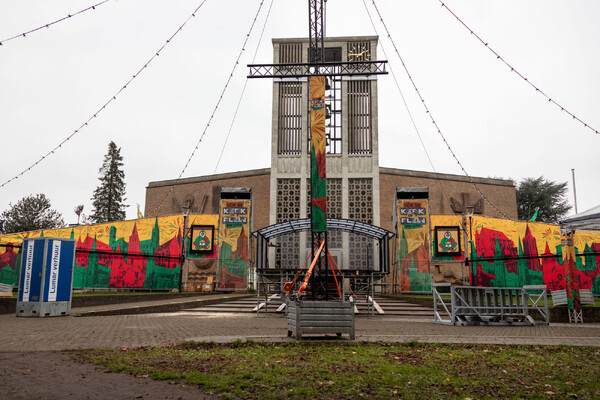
pixel 381 235
pixel 332 223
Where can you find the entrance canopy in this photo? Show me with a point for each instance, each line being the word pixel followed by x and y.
pixel 332 223
pixel 265 234
pixel 587 220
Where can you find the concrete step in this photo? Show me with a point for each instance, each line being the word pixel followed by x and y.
pixel 391 307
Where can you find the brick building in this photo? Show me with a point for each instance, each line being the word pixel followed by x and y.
pixel 357 187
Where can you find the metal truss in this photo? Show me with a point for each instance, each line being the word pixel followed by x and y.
pixel 316 25
pixel 354 68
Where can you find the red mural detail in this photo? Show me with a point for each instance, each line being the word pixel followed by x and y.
pixel 418 258
pixel 530 250
pixel 554 272
pixel 168 249
pixel 322 168
pixel 9 258
pixel 482 278
pixel 486 247
pixel 320 203
pixel 550 265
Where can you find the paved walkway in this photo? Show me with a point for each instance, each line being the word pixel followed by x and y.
pixel 159 329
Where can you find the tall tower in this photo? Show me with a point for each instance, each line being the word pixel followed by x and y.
pixel 352 151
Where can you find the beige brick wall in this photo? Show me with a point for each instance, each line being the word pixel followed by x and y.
pixel 500 192
pixel 207 190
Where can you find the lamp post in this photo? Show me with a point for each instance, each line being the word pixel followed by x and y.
pixel 470 211
pixel 185 210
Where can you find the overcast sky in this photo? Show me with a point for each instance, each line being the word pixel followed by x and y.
pixel 55 79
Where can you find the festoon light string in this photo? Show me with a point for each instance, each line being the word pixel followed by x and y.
pixel 412 120
pixel 113 98
pixel 237 61
pixel 24 34
pixel 428 112
pixel 243 90
pixel 499 57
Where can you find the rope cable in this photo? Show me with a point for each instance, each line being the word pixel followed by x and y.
pixel 428 112
pixel 412 120
pixel 24 34
pixel 237 61
pixel 243 90
pixel 499 57
pixel 113 98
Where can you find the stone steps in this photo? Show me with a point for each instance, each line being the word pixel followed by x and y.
pixel 391 307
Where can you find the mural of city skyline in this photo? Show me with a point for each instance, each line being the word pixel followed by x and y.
pixel 234 243
pixel 143 254
pixel 505 253
pixel 528 253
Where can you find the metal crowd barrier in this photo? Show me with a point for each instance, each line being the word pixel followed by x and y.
pixel 471 305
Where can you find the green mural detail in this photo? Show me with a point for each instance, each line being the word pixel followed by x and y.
pixel 318 194
pixel 103 261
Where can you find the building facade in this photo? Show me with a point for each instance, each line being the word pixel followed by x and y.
pixel 357 187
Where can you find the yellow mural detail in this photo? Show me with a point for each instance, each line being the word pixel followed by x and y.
pixel 449 220
pixel 169 227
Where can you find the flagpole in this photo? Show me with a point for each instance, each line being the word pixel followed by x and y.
pixel 574 190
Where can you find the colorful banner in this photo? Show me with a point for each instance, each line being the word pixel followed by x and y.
pixel 317 154
pixel 143 253
pixel 413 246
pixel 234 230
pixel 510 253
pixel 571 275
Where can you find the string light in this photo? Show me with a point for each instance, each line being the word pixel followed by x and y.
pixel 428 112
pixel 499 57
pixel 243 90
pixel 153 211
pixel 24 34
pixel 113 98
pixel 437 177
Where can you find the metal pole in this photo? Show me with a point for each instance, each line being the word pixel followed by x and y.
pixel 185 211
pixel 574 190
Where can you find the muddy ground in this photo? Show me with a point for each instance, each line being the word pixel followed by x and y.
pixel 59 376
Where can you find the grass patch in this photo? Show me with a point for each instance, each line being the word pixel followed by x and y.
pixel 333 370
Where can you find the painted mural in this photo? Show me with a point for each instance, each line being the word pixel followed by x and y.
pixel 233 244
pixel 516 253
pixel 503 253
pixel 414 264
pixel 317 154
pixel 144 253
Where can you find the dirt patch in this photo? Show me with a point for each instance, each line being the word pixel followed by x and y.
pixel 58 376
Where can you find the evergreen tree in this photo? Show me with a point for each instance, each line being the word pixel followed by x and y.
pixel 31 213
pixel 549 196
pixel 108 197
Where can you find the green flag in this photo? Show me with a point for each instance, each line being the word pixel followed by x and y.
pixel 535 214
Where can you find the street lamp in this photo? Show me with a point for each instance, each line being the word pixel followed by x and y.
pixel 470 211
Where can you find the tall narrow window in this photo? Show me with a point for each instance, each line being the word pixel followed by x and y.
pixel 290 118
pixel 359 117
pixel 289 136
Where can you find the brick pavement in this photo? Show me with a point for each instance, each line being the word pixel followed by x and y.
pixel 70 332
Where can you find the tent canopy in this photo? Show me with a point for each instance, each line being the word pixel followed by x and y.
pixel 587 220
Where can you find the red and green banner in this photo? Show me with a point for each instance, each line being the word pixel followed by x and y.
pixel 234 231
pixel 317 154
pixel 414 264
pixel 571 275
pixel 143 253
